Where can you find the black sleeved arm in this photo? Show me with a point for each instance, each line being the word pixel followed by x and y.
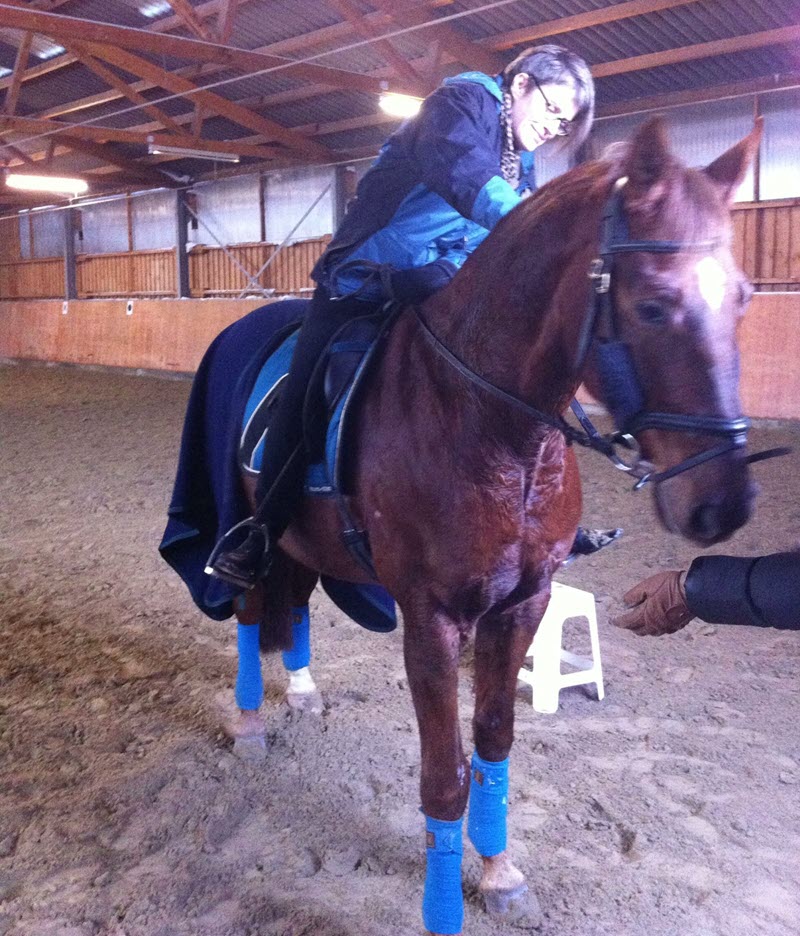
pixel 763 591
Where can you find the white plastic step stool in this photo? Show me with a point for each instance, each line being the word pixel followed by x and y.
pixel 546 678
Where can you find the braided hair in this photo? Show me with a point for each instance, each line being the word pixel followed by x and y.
pixel 550 64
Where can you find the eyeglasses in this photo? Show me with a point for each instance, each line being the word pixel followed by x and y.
pixel 563 126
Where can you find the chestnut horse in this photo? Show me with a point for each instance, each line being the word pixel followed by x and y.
pixel 465 482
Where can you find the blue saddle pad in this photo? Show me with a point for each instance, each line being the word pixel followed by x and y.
pixel 325 476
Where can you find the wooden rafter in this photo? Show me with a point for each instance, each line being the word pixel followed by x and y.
pixel 139 172
pixel 369 30
pixel 20 154
pixel 20 64
pixel 459 46
pixel 31 125
pixel 111 78
pixel 607 14
pixel 186 14
pixel 177 84
pixel 698 50
pixel 735 89
pixel 226 19
pixel 15 15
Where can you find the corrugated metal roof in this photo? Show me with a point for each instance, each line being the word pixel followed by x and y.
pixel 316 31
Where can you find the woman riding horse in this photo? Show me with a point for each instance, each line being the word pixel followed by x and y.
pixel 442 182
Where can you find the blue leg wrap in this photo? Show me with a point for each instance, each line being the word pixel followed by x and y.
pixel 443 902
pixel 300 654
pixel 488 806
pixel 249 684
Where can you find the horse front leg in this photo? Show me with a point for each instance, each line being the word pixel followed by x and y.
pixel 501 643
pixel 431 648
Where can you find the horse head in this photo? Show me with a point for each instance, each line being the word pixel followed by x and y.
pixel 664 355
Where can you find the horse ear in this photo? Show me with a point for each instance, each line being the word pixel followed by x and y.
pixel 728 170
pixel 648 165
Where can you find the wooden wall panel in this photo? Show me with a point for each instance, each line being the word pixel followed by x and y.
pixel 769 339
pixel 9 240
pixel 32 279
pixel 173 334
pixel 159 334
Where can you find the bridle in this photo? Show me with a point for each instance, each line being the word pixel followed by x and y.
pixel 622 390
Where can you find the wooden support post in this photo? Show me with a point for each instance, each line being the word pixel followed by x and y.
pixel 70 266
pixel 181 254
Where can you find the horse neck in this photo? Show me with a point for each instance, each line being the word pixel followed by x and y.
pixel 514 312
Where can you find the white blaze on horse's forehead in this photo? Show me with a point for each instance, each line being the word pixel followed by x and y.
pixel 711 282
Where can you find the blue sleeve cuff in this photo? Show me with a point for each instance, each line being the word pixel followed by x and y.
pixel 493 201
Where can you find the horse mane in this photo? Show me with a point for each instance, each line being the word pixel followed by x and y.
pixel 533 244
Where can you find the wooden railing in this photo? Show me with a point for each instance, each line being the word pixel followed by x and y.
pixel 766 246
pixel 217 271
pixel 143 273
pixel 32 279
pixel 767 243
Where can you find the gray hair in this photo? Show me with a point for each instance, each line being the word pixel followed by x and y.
pixel 553 64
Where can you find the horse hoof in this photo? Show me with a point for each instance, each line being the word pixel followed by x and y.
pixel 517 907
pixel 306 701
pixel 251 748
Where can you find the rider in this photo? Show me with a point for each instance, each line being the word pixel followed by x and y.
pixel 441 182
pixel 763 591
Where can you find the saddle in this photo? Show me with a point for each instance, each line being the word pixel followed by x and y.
pixel 335 387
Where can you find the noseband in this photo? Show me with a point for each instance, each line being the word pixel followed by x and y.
pixel 621 387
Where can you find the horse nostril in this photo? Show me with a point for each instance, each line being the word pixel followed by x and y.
pixel 706 521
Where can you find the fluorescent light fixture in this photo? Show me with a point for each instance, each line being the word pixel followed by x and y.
pixel 399 105
pixel 39 183
pixel 48 50
pixel 154 8
pixel 157 149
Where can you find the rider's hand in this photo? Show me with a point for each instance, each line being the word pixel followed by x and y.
pixel 658 606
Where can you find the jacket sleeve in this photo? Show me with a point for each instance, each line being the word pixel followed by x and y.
pixel 763 591
pixel 453 145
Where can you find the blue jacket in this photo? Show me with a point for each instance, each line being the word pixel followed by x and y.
pixel 435 190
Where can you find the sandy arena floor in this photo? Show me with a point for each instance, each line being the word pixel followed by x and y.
pixel 668 809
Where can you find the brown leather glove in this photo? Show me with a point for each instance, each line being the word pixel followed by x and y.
pixel 658 606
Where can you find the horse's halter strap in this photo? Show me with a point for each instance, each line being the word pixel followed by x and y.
pixel 624 396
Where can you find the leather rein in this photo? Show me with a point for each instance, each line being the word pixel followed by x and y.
pixel 622 390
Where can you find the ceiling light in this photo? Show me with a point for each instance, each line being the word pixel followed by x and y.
pixel 38 183
pixel 47 50
pixel 4 71
pixel 158 149
pixel 399 105
pixel 154 8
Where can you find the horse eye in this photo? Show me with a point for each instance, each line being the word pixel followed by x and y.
pixel 651 312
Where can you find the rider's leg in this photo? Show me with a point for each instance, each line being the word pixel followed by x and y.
pixel 282 472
